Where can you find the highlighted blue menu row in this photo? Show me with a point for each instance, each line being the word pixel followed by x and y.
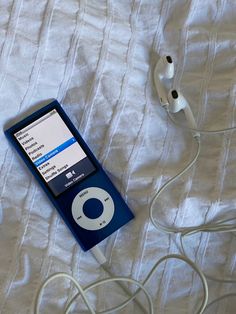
pixel 54 152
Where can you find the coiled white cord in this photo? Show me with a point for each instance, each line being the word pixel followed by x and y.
pixel 82 291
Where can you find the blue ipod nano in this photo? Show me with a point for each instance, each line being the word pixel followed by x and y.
pixel 69 174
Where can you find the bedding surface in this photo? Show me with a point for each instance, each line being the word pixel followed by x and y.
pixel 97 58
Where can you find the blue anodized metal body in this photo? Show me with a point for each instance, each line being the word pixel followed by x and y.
pixel 98 179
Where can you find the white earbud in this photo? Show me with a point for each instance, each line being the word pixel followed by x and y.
pixel 164 69
pixel 177 102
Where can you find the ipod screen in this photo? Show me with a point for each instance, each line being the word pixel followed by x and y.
pixel 56 154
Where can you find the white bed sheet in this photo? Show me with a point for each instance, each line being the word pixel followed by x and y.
pixel 97 58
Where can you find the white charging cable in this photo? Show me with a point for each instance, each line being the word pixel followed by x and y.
pixel 82 291
pixel 101 259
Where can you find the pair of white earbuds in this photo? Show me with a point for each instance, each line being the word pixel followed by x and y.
pixel 173 101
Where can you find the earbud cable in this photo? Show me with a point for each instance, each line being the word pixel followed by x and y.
pixel 186 128
pixel 82 291
pixel 220 226
pixel 155 222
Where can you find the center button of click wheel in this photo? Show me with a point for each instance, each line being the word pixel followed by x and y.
pixel 93 208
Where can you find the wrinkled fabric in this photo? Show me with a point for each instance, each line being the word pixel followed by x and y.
pixel 97 58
